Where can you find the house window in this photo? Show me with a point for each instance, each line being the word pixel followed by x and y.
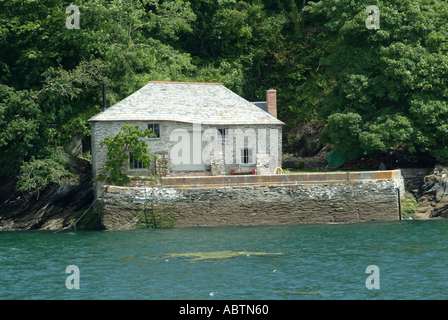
pixel 155 128
pixel 247 155
pixel 133 164
pixel 224 133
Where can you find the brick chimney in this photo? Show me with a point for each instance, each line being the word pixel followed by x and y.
pixel 271 101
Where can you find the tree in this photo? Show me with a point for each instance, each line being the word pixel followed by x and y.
pixel 36 174
pixel 50 76
pixel 33 122
pixel 390 83
pixel 119 148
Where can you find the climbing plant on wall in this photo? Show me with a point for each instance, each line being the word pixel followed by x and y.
pixel 120 146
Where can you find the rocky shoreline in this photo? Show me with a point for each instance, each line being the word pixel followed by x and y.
pixel 56 206
pixel 52 208
pixel 432 196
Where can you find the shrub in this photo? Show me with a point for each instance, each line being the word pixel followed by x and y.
pixel 118 149
pixel 38 173
pixel 293 138
pixel 299 164
pixel 409 208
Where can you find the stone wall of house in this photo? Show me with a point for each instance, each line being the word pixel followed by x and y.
pixel 268 204
pixel 265 140
pixel 263 164
pixel 217 164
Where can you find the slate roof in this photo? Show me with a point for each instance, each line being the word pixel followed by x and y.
pixel 208 103
pixel 263 105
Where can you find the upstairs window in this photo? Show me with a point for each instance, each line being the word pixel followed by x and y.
pixel 155 128
pixel 224 133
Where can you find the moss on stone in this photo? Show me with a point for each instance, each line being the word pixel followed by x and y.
pixel 90 221
pixel 162 219
pixel 409 208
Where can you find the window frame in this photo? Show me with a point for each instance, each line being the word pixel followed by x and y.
pixel 225 136
pixel 250 155
pixel 132 162
pixel 151 126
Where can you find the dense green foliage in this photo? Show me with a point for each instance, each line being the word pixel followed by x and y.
pixel 36 174
pixel 374 89
pixel 391 84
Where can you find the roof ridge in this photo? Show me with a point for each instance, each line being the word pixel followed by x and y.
pixel 175 82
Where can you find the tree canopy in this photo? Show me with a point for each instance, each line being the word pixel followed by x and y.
pixel 372 88
pixel 391 83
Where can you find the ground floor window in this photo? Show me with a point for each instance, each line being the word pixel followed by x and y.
pixel 247 155
pixel 133 164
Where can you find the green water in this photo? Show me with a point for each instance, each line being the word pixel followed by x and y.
pixel 312 262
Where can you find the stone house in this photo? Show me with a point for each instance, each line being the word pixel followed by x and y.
pixel 200 127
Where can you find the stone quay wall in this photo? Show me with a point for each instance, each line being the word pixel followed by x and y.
pixel 355 197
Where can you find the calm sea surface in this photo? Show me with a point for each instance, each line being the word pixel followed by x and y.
pixel 315 262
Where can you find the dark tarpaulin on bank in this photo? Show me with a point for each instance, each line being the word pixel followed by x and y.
pixel 337 159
